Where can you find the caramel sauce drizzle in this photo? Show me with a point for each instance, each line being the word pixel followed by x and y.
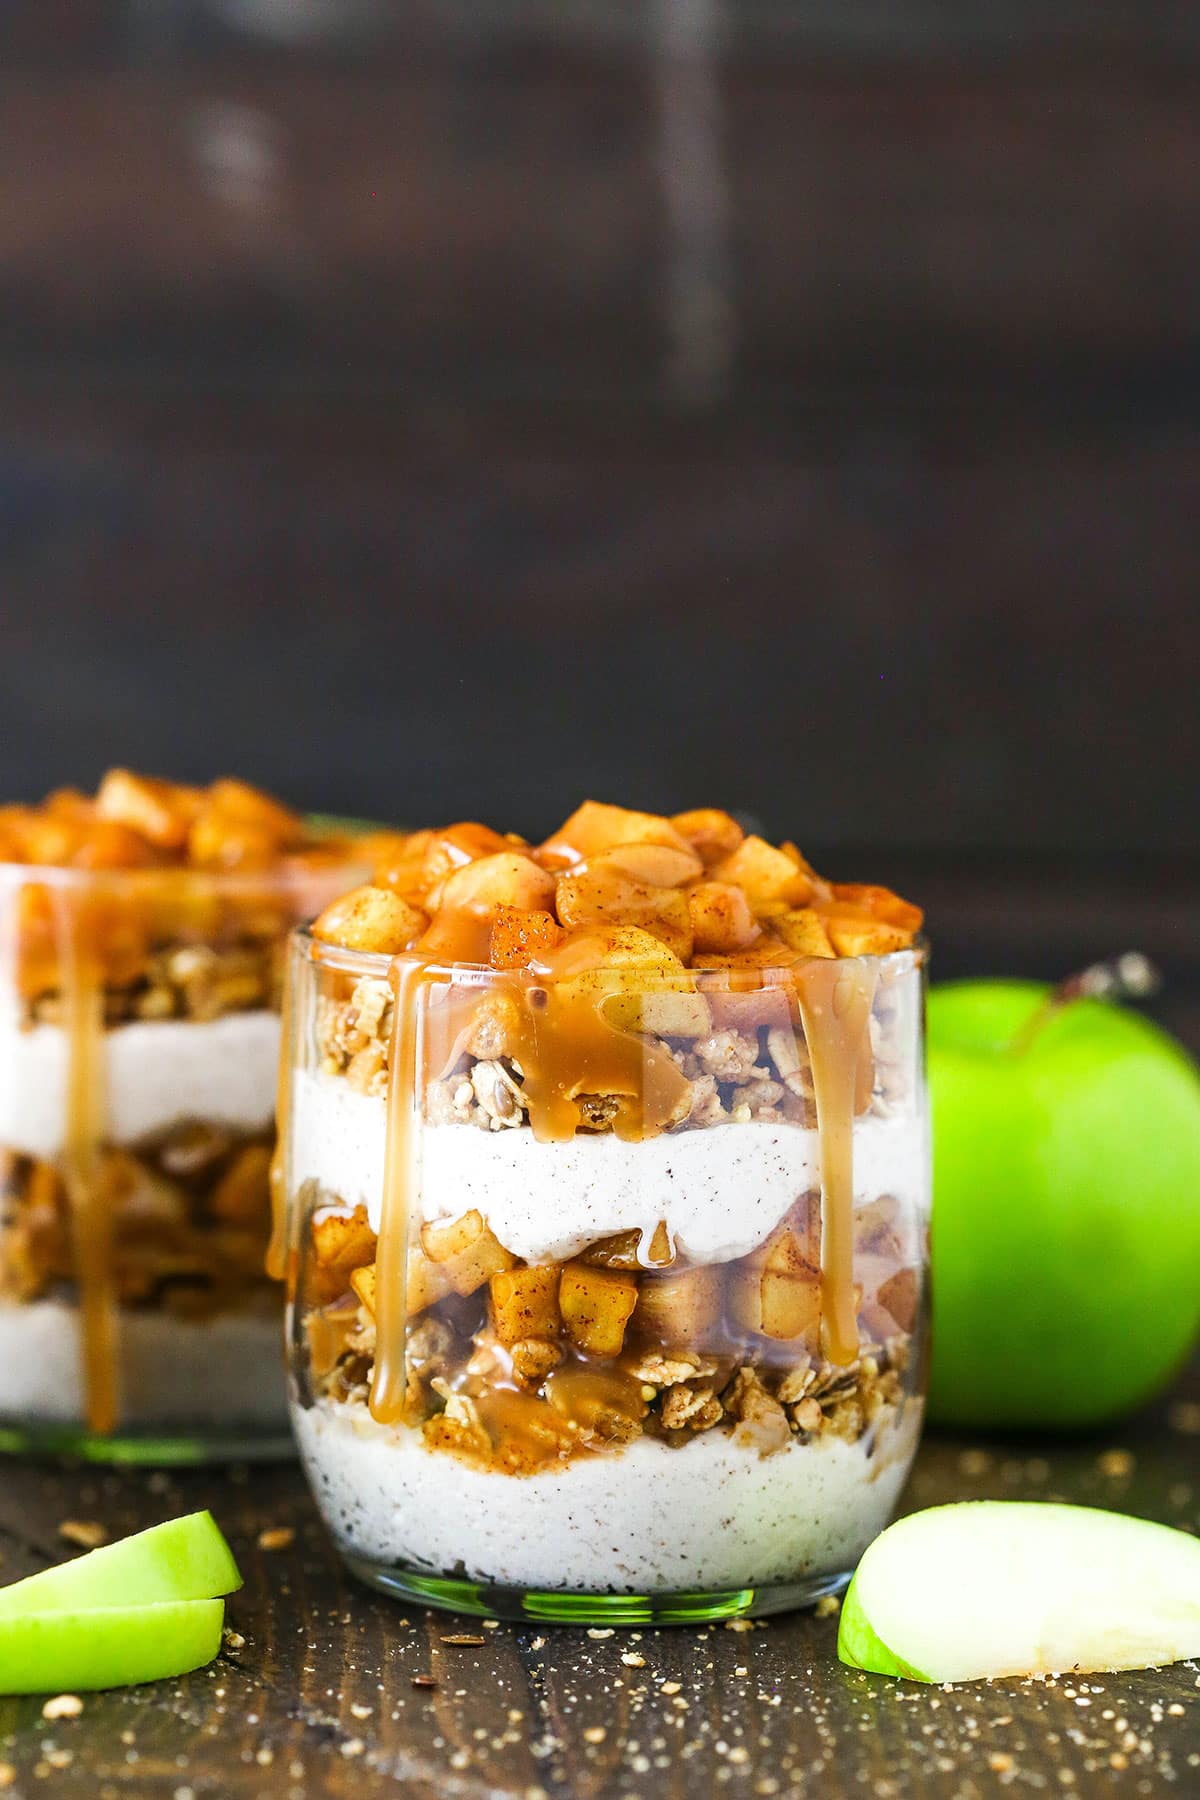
pixel 835 1005
pixel 567 1046
pixel 277 1248
pixel 410 979
pixel 87 1195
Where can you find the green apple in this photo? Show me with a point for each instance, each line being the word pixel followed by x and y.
pixel 1066 1221
pixel 1000 1587
pixel 111 1646
pixel 184 1559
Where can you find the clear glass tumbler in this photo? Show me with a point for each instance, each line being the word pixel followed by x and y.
pixel 607 1287
pixel 139 1050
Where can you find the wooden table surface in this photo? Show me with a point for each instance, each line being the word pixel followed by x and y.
pixel 325 1689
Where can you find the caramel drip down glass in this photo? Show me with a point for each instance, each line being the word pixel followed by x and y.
pixel 606 1285
pixel 139 1047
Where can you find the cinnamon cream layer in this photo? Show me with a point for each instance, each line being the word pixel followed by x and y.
pixel 156 1074
pixel 721 1189
pixel 712 1515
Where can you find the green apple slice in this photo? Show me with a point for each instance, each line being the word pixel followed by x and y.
pixel 184 1559
pixel 113 1646
pixel 995 1587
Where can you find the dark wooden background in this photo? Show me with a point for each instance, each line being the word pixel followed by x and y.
pixel 449 409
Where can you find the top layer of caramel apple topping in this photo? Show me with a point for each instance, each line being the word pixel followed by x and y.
pixel 637 888
pixel 140 822
pixel 159 870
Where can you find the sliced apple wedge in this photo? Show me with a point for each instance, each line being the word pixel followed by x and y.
pixel 110 1646
pixel 184 1559
pixel 990 1588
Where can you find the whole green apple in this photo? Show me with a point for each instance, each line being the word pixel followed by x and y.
pixel 1066 1222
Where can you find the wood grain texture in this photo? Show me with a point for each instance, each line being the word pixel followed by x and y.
pixel 886 642
pixel 460 219
pixel 318 1702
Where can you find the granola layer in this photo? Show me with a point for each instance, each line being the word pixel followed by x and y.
pixel 188 1214
pixel 762 1073
pixel 517 1367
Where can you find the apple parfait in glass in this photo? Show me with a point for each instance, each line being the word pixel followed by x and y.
pixel 605 1196
pixel 142 942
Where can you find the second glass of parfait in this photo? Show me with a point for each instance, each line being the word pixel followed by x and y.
pixel 142 935
pixel 607 1184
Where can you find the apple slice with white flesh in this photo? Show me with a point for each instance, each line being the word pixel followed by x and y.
pixel 183 1559
pixel 110 1646
pixel 994 1587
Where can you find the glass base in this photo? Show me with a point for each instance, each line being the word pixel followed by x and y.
pixel 547 1607
pixel 151 1449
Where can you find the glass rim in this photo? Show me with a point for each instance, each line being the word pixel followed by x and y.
pixel 467 974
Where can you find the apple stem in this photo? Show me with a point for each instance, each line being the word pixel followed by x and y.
pixel 1130 976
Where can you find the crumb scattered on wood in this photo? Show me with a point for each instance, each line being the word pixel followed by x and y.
pixel 276 1537
pixel 63 1706
pixel 87 1534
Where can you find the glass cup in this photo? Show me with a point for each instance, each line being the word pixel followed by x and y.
pixel 139 1050
pixel 606 1288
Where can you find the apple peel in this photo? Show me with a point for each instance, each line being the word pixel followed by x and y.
pixel 107 1647
pixel 181 1560
pixel 990 1588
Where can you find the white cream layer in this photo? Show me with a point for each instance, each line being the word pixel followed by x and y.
pixel 710 1515
pixel 721 1189
pixel 156 1074
pixel 173 1374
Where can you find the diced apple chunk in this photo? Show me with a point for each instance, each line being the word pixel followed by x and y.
pixel 711 833
pixel 594 827
pixel 879 1228
pixel 249 805
pixel 372 919
pixel 525 1303
pixel 680 1308
pixel 363 1283
pixel 779 1295
pixel 653 865
pixel 899 1295
pixel 342 1242
pixel 641 984
pixel 506 878
pixel 854 934
pixel 520 935
pixel 467 1251
pixel 628 1250
pixel 764 872
pixel 721 918
pixel 880 903
pixel 791 1303
pixel 159 810
pixel 803 930
pixel 596 1306
pixel 590 897
pixel 428 1283
pixel 869 921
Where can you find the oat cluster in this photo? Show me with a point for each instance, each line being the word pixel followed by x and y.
pixel 190 1215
